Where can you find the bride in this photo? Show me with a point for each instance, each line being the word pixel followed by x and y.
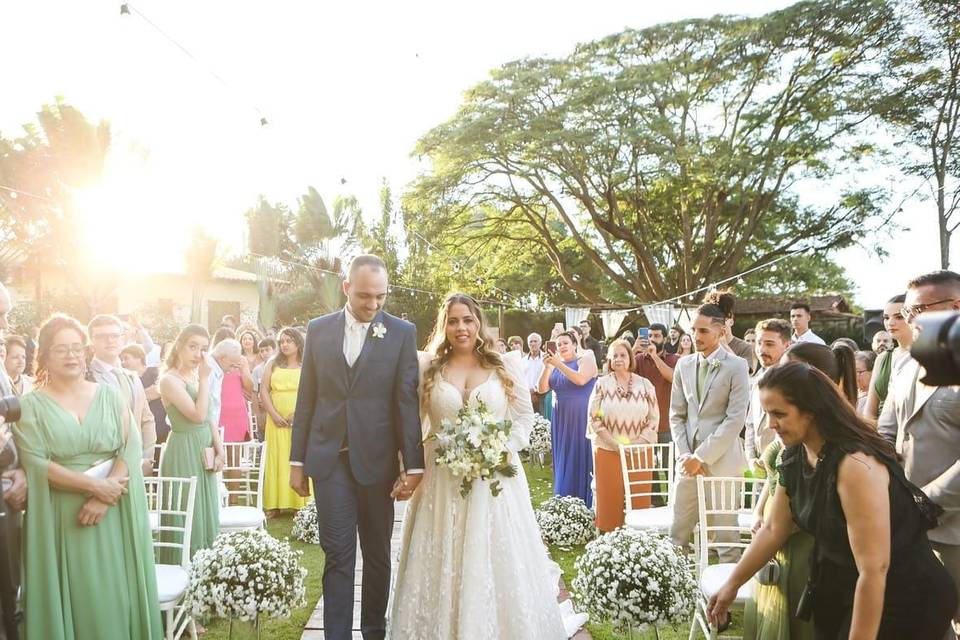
pixel 474 567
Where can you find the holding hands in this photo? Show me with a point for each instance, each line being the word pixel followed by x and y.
pixel 691 465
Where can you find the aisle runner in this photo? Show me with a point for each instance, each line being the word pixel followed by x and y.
pixel 314 628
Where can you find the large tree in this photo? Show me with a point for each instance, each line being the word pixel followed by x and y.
pixel 652 162
pixel 924 106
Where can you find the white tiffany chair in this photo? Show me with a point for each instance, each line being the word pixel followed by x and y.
pixel 173 501
pixel 242 507
pixel 720 503
pixel 658 459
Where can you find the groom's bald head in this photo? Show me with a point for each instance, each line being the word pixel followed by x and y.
pixel 366 287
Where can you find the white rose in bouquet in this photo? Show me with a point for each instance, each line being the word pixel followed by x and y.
pixel 474 447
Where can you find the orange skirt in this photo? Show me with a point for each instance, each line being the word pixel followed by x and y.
pixel 610 498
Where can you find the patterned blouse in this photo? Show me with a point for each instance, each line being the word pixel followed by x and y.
pixel 629 414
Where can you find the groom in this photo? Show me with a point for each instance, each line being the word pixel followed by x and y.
pixel 357 408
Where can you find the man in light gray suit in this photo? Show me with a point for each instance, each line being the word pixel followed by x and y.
pixel 773 340
pixel 708 406
pixel 924 422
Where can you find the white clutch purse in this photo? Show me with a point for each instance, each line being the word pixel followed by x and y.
pixel 100 470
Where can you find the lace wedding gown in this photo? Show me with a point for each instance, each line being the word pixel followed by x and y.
pixel 475 567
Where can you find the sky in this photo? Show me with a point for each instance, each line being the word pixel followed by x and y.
pixel 347 89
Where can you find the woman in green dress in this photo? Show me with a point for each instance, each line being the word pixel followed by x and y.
pixel 185 391
pixel 88 555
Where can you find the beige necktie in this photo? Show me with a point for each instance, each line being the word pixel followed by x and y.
pixel 354 343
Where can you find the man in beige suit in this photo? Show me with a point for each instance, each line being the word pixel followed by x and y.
pixel 924 422
pixel 708 406
pixel 773 340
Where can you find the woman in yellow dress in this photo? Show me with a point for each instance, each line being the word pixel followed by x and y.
pixel 278 395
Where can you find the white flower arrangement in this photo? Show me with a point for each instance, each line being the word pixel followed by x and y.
pixel 245 574
pixel 566 521
pixel 634 579
pixel 474 447
pixel 305 526
pixel 540 442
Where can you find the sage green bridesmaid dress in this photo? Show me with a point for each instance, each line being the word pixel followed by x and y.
pixel 183 458
pixel 85 581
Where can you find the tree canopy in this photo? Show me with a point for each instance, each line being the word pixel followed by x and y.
pixel 655 161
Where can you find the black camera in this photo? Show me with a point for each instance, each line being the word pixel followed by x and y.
pixel 10 408
pixel 937 348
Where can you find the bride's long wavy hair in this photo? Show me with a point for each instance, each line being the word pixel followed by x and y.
pixel 440 348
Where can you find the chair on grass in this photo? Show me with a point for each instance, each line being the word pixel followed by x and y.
pixel 242 508
pixel 657 459
pixel 723 529
pixel 172 502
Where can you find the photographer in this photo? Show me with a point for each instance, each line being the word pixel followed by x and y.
pixel 924 421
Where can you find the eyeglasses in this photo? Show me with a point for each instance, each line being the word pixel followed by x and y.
pixel 912 311
pixel 63 350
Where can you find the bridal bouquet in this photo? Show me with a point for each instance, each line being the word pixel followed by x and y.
pixel 305 528
pixel 634 579
pixel 474 447
pixel 244 574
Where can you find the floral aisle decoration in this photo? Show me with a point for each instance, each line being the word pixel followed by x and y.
pixel 566 521
pixel 305 526
pixel 246 575
pixel 474 447
pixel 540 443
pixel 635 580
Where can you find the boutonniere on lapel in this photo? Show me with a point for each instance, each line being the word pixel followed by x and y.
pixel 379 331
pixel 713 365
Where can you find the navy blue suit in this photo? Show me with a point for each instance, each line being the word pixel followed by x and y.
pixel 372 411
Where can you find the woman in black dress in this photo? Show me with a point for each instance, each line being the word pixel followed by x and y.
pixel 873 573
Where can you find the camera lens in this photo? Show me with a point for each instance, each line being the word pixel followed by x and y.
pixel 937 348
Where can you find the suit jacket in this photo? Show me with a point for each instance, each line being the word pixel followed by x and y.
pixel 136 400
pixel 924 424
pixel 372 408
pixel 757 434
pixel 709 427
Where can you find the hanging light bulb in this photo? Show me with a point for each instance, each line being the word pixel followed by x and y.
pixel 124 9
pixel 263 122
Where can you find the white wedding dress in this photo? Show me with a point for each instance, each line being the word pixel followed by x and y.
pixel 475 568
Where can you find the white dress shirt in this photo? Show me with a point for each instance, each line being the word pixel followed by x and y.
pixel 533 369
pixel 215 389
pixel 354 335
pixel 808 336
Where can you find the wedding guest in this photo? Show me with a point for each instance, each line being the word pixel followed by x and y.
pixel 13 476
pixel 571 374
pixel 708 408
pixel 89 567
pixel 673 344
pixel 726 301
pixel 31 341
pixel 864 361
pixel 515 343
pixel 875 575
pixel 223 333
pixel 685 346
pixel 533 367
pixel 622 410
pixel 653 363
pixel 230 322
pixel 591 343
pixel 850 342
pixel 923 422
pixel 501 346
pixel 249 343
pixel 750 337
pixel 278 393
pixel 773 340
pixel 800 319
pixel 137 334
pixel 890 363
pixel 223 359
pixel 266 348
pixel 236 387
pixel 882 342
pixel 838 363
pixel 186 395
pixel 106 334
pixel 134 359
pixel 15 363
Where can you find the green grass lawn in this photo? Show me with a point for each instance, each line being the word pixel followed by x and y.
pixel 541 488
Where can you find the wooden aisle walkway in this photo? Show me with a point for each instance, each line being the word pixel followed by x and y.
pixel 314 627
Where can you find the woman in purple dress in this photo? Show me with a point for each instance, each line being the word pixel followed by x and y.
pixel 570 373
